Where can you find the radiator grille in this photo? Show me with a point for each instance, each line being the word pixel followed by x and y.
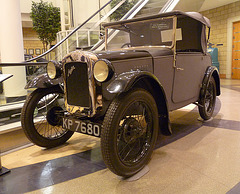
pixel 77 86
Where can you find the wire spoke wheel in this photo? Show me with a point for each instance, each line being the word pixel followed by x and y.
pixel 47 121
pixel 42 117
pixel 129 132
pixel 134 133
pixel 207 101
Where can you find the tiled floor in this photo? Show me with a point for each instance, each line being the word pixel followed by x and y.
pixel 198 158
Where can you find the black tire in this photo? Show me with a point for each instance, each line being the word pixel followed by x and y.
pixel 207 100
pixel 131 123
pixel 39 117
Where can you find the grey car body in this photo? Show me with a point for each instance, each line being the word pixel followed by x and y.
pixel 173 74
pixel 165 60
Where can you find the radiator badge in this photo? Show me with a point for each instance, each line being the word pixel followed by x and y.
pixel 71 70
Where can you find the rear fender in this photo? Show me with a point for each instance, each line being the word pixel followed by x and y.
pixel 211 71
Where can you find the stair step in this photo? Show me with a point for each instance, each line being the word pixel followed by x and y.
pixel 10 113
pixel 12 137
pixel 11 133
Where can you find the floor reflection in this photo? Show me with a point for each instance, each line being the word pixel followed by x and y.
pixel 40 175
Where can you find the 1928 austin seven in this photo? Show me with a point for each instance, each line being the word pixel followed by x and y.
pixel 123 94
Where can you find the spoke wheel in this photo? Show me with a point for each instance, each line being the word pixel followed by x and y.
pixel 208 100
pixel 42 117
pixel 129 132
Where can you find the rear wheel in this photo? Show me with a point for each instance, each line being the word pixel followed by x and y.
pixel 207 100
pixel 129 132
pixel 41 117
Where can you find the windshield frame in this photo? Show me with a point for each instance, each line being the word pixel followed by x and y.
pixel 112 29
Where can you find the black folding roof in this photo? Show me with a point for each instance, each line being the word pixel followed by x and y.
pixel 195 15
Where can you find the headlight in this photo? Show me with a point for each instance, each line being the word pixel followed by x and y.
pixel 53 70
pixel 102 70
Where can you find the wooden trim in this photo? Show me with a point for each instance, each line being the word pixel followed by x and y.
pixel 223 76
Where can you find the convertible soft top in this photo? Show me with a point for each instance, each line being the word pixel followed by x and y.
pixel 193 25
pixel 195 15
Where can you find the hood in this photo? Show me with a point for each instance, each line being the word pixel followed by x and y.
pixel 133 53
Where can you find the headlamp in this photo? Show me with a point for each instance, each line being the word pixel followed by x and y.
pixel 102 70
pixel 53 69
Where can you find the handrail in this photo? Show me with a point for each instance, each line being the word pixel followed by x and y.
pixel 77 28
pixel 23 64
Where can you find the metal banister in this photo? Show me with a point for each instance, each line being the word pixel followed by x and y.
pixel 23 64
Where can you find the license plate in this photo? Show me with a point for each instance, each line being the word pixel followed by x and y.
pixel 85 127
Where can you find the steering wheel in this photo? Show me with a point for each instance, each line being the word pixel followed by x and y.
pixel 126 45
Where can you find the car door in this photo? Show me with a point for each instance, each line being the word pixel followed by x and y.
pixel 188 76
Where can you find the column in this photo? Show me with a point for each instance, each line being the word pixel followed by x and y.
pixel 11 47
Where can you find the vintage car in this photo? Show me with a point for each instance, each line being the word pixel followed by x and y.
pixel 123 94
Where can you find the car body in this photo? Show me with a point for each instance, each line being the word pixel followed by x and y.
pixel 123 94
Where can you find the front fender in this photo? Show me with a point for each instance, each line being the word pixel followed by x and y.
pixel 43 81
pixel 124 81
pixel 146 80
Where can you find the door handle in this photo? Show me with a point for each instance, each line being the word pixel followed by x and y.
pixel 179 69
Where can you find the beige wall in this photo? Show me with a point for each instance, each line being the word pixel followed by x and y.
pixel 30 40
pixel 26 4
pixel 221 31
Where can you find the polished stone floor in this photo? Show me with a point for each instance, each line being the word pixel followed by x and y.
pixel 200 157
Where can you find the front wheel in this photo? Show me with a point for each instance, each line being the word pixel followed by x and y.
pixel 41 117
pixel 207 100
pixel 129 132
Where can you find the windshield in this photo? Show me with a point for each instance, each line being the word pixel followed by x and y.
pixel 155 32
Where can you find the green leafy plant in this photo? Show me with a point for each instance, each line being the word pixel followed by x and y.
pixel 122 10
pixel 46 21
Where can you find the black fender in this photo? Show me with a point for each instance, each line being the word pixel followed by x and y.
pixel 43 81
pixel 211 71
pixel 146 80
